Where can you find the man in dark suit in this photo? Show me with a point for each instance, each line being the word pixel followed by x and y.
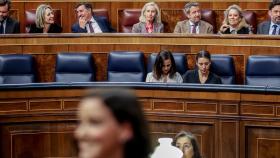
pixel 271 27
pixel 7 24
pixel 87 23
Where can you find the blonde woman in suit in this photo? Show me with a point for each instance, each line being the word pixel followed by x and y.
pixel 149 21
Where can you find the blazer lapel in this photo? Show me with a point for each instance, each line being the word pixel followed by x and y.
pixel 202 28
pixel 143 27
pixel 9 26
pixel 187 27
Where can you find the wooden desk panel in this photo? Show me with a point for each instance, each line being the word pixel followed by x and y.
pixel 45 47
pixel 46 118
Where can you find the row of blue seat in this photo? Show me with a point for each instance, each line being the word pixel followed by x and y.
pixel 129 67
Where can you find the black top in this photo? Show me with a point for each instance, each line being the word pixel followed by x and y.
pixel 243 30
pixel 54 28
pixel 192 76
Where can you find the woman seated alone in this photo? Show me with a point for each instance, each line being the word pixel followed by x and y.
pixel 234 22
pixel 44 22
pixel 150 21
pixel 202 74
pixel 164 69
pixel 186 142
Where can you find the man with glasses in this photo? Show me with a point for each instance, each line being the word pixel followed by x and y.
pixel 7 24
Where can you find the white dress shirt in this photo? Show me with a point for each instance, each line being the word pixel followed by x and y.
pixel 95 26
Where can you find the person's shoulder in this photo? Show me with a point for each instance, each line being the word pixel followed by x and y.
pixel 264 23
pixel 205 23
pixel 217 79
pixel 11 20
pixel 183 22
pixel 189 73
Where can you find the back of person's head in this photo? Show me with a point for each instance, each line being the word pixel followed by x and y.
pixel 161 57
pixel 87 5
pixel 273 3
pixel 142 17
pixel 203 54
pixel 40 15
pixel 192 138
pixel 5 2
pixel 188 6
pixel 126 108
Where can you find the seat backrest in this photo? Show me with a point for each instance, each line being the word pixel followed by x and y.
pixel 101 12
pixel 223 66
pixel 251 19
pixel 263 71
pixel 180 61
pixel 30 16
pixel 126 66
pixel 207 15
pixel 128 17
pixel 74 67
pixel 17 69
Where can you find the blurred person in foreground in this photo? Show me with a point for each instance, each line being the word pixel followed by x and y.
pixel 112 125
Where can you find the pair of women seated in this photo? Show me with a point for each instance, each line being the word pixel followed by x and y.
pixel 164 70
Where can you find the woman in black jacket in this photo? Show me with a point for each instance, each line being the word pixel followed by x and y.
pixel 44 22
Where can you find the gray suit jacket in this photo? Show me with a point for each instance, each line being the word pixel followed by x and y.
pixel 141 28
pixel 263 28
pixel 12 26
pixel 184 27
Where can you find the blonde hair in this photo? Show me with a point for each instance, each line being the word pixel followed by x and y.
pixel 242 22
pixel 157 19
pixel 40 15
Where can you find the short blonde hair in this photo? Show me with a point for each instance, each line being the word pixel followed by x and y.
pixel 40 15
pixel 157 19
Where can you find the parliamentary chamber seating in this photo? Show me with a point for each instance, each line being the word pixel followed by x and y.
pixel 128 66
pixel 74 67
pixel 263 71
pixel 17 69
pixel 223 66
pixel 125 66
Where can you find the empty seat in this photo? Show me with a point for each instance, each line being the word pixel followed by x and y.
pixel 263 71
pixel 223 66
pixel 180 60
pixel 127 19
pixel 74 67
pixel 251 19
pixel 126 67
pixel 16 69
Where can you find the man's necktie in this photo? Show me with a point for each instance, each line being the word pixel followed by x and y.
pixel 274 29
pixel 1 27
pixel 91 30
pixel 194 28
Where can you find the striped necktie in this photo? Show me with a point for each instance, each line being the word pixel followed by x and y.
pixel 274 29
